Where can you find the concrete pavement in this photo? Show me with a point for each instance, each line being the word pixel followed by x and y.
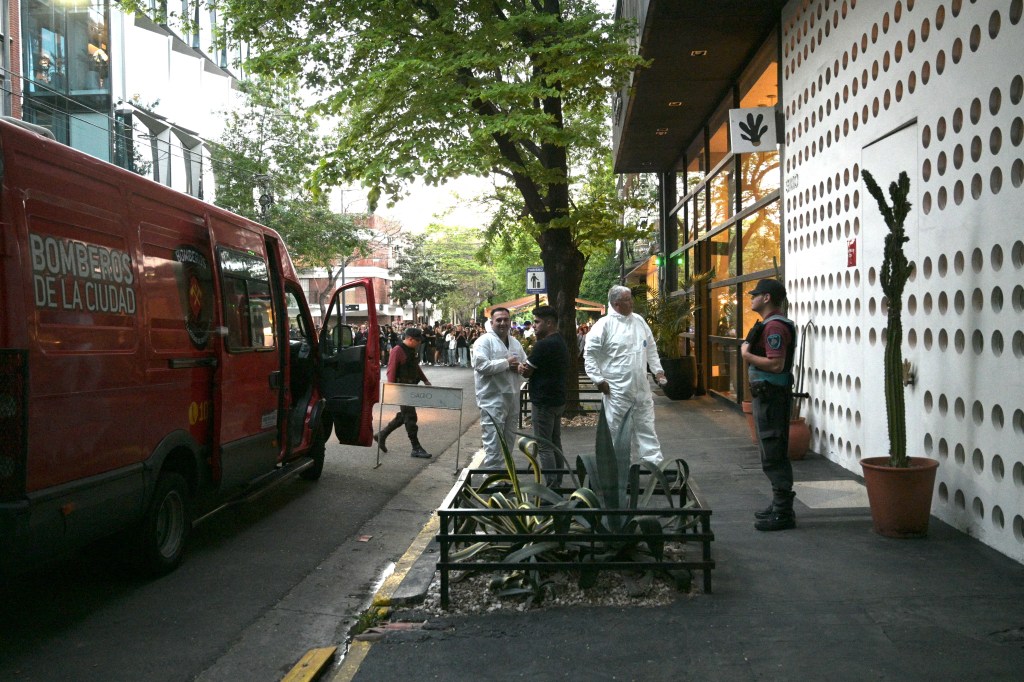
pixel 827 600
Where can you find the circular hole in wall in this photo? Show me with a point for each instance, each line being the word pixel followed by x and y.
pixel 997 467
pixel 978 461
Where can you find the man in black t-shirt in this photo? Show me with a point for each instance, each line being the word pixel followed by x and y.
pixel 546 369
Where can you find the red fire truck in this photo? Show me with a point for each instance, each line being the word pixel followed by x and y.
pixel 157 359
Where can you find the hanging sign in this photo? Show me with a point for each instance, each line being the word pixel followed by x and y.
pixel 753 130
pixel 535 281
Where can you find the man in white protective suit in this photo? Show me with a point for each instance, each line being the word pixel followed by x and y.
pixel 496 360
pixel 618 350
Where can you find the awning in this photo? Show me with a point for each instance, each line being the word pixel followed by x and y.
pixel 698 49
pixel 529 302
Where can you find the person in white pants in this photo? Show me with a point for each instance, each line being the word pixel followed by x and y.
pixel 496 360
pixel 619 348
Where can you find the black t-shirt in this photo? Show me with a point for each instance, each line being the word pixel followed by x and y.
pixel 550 358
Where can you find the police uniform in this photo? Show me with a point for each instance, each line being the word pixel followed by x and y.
pixel 772 399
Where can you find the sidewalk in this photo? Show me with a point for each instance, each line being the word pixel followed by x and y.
pixel 827 600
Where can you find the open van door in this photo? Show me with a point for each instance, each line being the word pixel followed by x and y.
pixel 349 365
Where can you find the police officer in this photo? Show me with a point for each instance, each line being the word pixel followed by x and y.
pixel 404 368
pixel 769 350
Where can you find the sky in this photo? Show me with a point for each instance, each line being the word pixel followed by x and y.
pixel 449 204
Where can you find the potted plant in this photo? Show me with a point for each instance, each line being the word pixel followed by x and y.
pixel 668 317
pixel 899 487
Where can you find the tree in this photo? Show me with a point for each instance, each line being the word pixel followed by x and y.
pixel 456 250
pixel 441 88
pixel 265 142
pixel 602 273
pixel 422 278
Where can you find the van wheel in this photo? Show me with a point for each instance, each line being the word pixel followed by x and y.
pixel 317 452
pixel 161 539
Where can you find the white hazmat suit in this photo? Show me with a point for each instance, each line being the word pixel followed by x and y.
pixel 497 393
pixel 618 350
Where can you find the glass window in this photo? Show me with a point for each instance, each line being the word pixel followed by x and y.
pixel 248 306
pixel 723 312
pixel 748 316
pixel 724 359
pixel 761 240
pixel 759 83
pixel 723 254
pixel 696 164
pixel 723 196
pixel 761 175
pixel 67 70
pixel 718 143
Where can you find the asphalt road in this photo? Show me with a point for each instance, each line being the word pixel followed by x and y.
pixel 261 583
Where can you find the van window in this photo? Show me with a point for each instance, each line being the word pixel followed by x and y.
pixel 248 305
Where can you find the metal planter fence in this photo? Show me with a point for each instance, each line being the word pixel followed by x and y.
pixel 688 522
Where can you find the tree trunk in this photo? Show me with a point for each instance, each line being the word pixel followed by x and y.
pixel 563 272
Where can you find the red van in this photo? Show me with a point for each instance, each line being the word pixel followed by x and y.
pixel 157 358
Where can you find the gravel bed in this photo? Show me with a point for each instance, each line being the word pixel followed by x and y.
pixel 471 594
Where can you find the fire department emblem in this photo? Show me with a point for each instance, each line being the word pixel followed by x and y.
pixel 196 286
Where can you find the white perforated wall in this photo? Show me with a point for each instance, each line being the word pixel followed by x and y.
pixel 933 87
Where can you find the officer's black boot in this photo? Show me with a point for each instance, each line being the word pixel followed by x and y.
pixel 764 513
pixel 781 516
pixel 418 451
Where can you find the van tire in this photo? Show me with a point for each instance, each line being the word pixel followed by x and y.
pixel 160 540
pixel 317 452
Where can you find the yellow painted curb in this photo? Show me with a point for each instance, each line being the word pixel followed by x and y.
pixel 405 564
pixel 353 659
pixel 310 665
pixel 358 649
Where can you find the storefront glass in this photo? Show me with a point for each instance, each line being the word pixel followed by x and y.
pixel 761 239
pixel 67 66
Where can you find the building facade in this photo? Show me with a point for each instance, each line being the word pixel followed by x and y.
pixel 143 91
pixel 929 87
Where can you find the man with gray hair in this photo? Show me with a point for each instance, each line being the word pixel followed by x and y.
pixel 619 349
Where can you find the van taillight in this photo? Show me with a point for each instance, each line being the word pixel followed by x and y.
pixel 13 422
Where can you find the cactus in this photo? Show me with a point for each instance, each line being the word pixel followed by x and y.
pixel 895 272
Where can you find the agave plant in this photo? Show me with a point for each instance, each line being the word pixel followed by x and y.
pixel 608 482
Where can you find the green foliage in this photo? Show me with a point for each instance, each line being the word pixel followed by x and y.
pixel 602 274
pixel 438 89
pixel 265 138
pixel 895 272
pixel 421 275
pixel 456 250
pixel 670 316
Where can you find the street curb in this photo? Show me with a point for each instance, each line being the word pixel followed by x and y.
pixel 407 585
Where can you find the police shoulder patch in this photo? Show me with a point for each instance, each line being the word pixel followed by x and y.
pixel 774 341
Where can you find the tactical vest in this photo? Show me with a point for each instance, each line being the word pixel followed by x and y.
pixel 409 368
pixel 760 349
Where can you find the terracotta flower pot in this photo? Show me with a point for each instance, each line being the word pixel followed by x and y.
pixel 900 499
pixel 748 412
pixel 799 438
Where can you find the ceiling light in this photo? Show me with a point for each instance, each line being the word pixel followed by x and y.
pixel 675 103
pixel 698 53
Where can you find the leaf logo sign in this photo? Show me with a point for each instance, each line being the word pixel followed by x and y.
pixel 753 128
